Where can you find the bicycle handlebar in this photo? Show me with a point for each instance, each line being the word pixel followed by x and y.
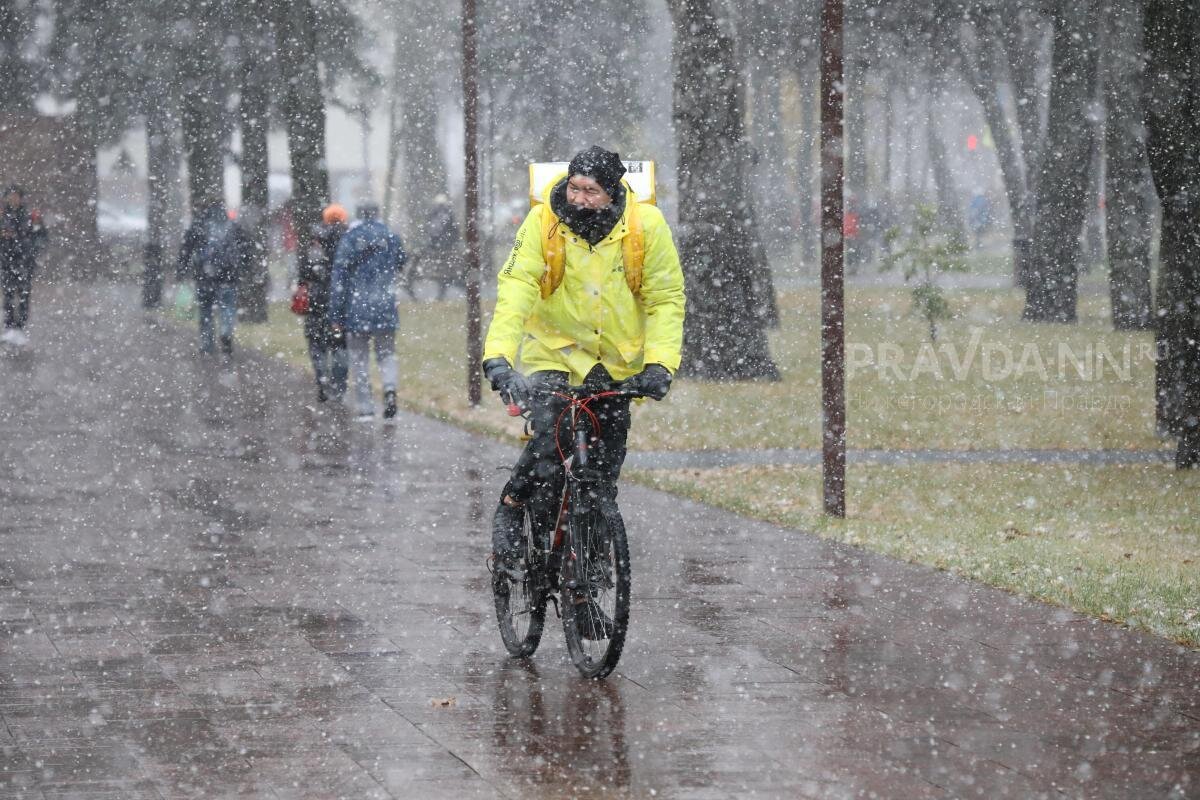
pixel 581 394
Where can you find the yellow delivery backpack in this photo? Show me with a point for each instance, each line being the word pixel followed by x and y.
pixel 639 188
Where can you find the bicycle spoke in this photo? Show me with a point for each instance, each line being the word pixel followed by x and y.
pixel 595 628
pixel 520 608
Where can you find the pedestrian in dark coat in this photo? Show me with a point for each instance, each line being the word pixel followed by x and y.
pixel 326 346
pixel 215 254
pixel 19 240
pixel 443 258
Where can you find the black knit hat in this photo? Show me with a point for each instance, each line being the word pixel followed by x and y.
pixel 597 163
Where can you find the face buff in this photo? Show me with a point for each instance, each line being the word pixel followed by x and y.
pixel 593 224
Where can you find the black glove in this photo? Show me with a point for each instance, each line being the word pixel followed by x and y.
pixel 514 388
pixel 654 381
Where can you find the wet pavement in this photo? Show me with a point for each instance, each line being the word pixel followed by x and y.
pixel 212 588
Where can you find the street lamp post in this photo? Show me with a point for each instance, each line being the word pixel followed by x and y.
pixel 833 334
pixel 470 82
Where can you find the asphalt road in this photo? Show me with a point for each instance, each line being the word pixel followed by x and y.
pixel 213 587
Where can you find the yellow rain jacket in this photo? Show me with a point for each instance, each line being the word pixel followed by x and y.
pixel 593 317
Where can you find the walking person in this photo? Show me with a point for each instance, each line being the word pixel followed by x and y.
pixel 214 254
pixel 20 239
pixel 326 347
pixel 592 293
pixel 443 256
pixel 362 305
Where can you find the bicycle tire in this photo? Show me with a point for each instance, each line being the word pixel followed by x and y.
pixel 521 625
pixel 601 573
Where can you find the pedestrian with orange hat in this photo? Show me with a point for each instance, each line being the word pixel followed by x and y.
pixel 326 344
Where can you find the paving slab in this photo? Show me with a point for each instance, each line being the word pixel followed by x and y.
pixel 213 586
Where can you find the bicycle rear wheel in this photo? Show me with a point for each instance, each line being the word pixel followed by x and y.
pixel 521 605
pixel 596 608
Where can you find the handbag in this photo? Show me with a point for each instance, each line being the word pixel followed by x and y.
pixel 185 302
pixel 300 299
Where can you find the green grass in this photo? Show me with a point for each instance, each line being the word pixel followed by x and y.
pixel 991 261
pixel 1117 542
pixel 900 406
pixel 921 401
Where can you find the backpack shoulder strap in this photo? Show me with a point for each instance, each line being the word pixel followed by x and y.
pixel 553 252
pixel 633 250
pixel 633 247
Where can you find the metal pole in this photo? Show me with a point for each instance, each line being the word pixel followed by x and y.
pixel 833 341
pixel 471 198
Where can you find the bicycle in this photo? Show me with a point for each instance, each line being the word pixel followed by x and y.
pixel 576 557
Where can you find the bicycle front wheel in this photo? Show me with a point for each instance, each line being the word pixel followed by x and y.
pixel 521 605
pixel 596 601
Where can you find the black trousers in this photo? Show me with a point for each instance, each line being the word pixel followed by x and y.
pixel 18 282
pixel 326 350
pixel 538 473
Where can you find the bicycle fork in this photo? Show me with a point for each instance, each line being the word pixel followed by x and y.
pixel 577 481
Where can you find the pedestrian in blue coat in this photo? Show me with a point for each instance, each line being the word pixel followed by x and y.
pixel 215 254
pixel 362 304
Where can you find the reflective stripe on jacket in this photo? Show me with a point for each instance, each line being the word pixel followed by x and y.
pixel 592 318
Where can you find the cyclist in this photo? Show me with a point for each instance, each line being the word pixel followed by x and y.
pixel 592 329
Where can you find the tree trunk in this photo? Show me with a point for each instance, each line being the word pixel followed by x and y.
pixel 1172 40
pixel 730 297
pixel 202 146
pixel 1129 213
pixel 914 168
pixel 256 172
pixel 424 166
pixel 884 199
pixel 304 110
pixel 16 24
pixel 1062 187
pixel 393 155
pixel 950 212
pixel 981 62
pixel 856 156
pixel 399 69
pixel 424 178
pixel 203 110
pixel 1092 242
pixel 1026 45
pixel 420 59
pixel 89 258
pixel 164 162
pixel 161 172
pixel 774 192
pixel 806 145
pixel 1029 44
